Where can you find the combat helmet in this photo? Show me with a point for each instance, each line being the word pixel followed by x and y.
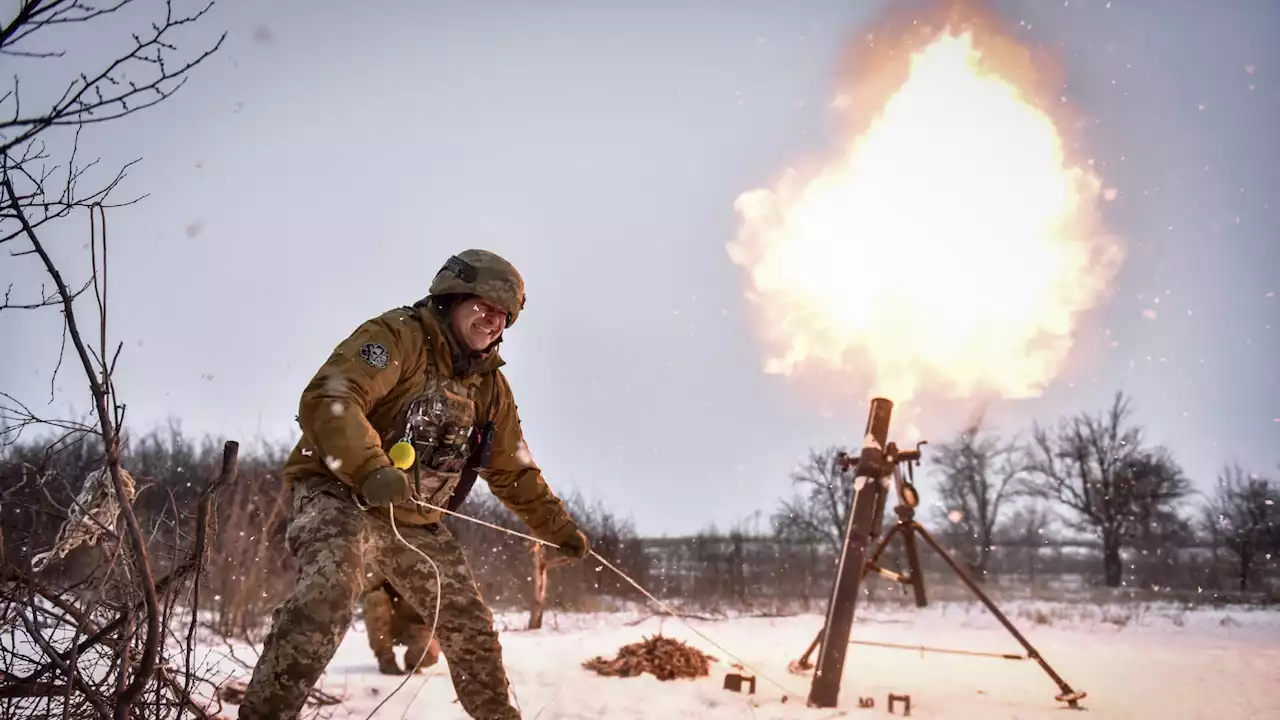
pixel 483 273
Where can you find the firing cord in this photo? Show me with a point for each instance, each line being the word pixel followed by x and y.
pixel 663 606
pixel 945 651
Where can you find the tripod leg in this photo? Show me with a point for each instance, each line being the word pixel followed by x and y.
pixel 881 547
pixel 799 666
pixel 1068 695
pixel 913 565
pixel 803 663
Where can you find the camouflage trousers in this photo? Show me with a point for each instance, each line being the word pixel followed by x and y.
pixel 337 544
pixel 390 620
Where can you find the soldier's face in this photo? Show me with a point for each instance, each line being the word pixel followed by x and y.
pixel 477 323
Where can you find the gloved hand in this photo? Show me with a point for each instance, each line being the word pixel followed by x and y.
pixel 575 546
pixel 385 486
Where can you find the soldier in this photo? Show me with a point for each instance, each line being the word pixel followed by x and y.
pixel 421 384
pixel 390 621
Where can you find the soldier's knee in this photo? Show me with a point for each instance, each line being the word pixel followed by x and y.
pixel 324 603
pixel 476 624
pixel 331 613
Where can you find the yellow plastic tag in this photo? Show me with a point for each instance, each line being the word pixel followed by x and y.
pixel 402 455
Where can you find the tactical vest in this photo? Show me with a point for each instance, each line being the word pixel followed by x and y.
pixel 450 437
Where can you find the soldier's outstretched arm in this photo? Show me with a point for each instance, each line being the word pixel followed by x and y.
pixel 517 480
pixel 361 370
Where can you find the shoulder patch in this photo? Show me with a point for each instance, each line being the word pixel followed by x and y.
pixel 375 355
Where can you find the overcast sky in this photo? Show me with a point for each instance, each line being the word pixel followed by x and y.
pixel 321 166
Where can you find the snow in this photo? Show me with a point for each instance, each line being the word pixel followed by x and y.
pixel 1133 660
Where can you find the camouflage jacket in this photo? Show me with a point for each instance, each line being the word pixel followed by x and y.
pixel 359 403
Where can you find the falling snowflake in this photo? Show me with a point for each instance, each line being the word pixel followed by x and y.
pixel 522 454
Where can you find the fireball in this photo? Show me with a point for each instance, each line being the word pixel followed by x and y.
pixel 950 246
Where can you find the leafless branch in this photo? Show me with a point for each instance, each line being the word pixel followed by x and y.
pixel 71 672
pixel 46 299
pixel 107 94
pixel 820 506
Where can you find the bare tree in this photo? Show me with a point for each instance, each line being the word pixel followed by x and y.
pixel 33 194
pixel 1098 467
pixel 980 473
pixel 1243 517
pixel 819 509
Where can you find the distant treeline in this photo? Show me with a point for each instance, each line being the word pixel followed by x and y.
pixel 1022 549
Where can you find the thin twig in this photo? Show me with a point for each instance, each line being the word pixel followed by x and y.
pixel 66 669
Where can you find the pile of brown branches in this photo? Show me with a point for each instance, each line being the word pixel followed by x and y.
pixel 663 657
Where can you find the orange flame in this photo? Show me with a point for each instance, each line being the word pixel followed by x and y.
pixel 950 246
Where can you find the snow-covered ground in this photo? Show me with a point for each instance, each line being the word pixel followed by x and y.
pixel 1134 661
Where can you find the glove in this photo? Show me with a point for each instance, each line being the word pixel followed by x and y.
pixel 385 486
pixel 575 547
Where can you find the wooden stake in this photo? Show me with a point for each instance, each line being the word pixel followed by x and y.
pixel 539 587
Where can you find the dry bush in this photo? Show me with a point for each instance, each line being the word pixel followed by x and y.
pixel 125 600
pixel 254 571
pixel 72 630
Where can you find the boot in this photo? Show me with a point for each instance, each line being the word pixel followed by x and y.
pixel 387 665
pixel 418 656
